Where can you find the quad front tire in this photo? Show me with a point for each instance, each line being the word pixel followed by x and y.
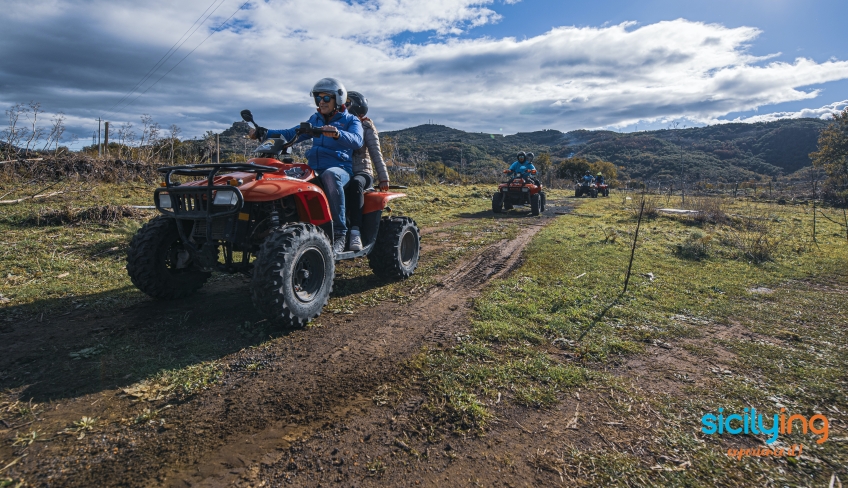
pixel 293 274
pixel 497 202
pixel 160 265
pixel 535 204
pixel 542 208
pixel 395 254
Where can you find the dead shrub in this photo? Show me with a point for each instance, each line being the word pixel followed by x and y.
pixel 758 245
pixel 695 247
pixel 652 206
pixel 710 210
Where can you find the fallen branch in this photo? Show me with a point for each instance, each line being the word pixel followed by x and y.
pixel 13 160
pixel 19 200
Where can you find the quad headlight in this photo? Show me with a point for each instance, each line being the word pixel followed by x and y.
pixel 164 200
pixel 223 197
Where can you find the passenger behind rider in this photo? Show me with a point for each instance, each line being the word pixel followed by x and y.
pixel 363 174
pixel 331 154
pixel 599 179
pixel 521 167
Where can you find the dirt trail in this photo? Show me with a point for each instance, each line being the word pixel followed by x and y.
pixel 269 395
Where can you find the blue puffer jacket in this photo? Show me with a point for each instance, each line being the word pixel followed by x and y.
pixel 327 152
pixel 521 168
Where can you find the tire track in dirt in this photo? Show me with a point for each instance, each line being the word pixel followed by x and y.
pixel 364 357
pixel 308 379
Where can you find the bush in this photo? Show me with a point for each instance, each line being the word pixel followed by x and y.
pixel 696 246
pixel 756 243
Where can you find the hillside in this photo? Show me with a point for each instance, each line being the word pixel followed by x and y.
pixel 727 151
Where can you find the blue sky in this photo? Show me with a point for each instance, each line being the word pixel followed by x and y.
pixel 478 65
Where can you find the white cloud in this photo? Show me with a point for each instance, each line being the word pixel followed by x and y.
pixel 82 58
pixel 825 113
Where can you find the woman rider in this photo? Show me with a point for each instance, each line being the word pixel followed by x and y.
pixel 363 174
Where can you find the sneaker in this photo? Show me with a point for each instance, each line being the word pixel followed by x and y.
pixel 339 243
pixel 355 240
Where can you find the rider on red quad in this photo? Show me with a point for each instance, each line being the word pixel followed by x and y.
pixel 521 167
pixel 363 173
pixel 331 155
pixel 599 179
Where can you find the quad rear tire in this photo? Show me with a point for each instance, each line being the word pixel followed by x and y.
pixel 497 202
pixel 396 252
pixel 293 274
pixel 606 192
pixel 159 264
pixel 535 204
pixel 594 193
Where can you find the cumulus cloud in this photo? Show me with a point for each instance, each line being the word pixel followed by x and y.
pixel 826 112
pixel 82 57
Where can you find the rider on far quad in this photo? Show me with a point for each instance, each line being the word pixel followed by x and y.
pixel 601 185
pixel 586 186
pixel 521 189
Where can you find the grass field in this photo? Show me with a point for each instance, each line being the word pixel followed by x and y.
pixel 738 309
pixel 561 324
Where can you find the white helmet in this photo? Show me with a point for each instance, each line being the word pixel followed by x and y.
pixel 331 85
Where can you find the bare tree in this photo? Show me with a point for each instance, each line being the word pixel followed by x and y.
pixel 149 140
pixel 173 133
pixel 13 134
pixel 126 138
pixel 57 129
pixel 35 132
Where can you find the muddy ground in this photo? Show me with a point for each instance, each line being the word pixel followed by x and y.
pixel 300 408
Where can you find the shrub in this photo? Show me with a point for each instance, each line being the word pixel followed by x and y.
pixel 696 246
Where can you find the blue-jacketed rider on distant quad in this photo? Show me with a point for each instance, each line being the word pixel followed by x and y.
pixel 588 178
pixel 331 155
pixel 522 166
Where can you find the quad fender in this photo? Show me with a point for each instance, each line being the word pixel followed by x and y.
pixel 378 200
pixel 311 201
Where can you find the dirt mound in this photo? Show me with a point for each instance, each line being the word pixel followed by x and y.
pixel 73 166
pixel 98 214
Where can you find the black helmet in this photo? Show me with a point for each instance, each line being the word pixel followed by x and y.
pixel 357 104
pixel 530 157
pixel 522 155
pixel 331 85
pixel 589 173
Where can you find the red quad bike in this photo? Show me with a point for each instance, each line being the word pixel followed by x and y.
pixel 273 210
pixel 603 189
pixel 584 187
pixel 519 191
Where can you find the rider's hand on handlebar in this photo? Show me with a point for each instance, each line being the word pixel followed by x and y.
pixel 330 131
pixel 384 186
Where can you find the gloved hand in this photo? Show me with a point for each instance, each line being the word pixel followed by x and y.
pixel 384 185
pixel 260 133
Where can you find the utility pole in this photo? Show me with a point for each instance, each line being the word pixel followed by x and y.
pixel 217 148
pixel 106 137
pixel 99 147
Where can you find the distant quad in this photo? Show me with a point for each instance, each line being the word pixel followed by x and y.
pixel 519 190
pixel 584 187
pixel 603 189
pixel 271 209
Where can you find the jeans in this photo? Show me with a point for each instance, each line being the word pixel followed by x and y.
pixel 334 181
pixel 356 197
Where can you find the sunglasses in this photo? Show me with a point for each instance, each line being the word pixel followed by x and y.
pixel 325 98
